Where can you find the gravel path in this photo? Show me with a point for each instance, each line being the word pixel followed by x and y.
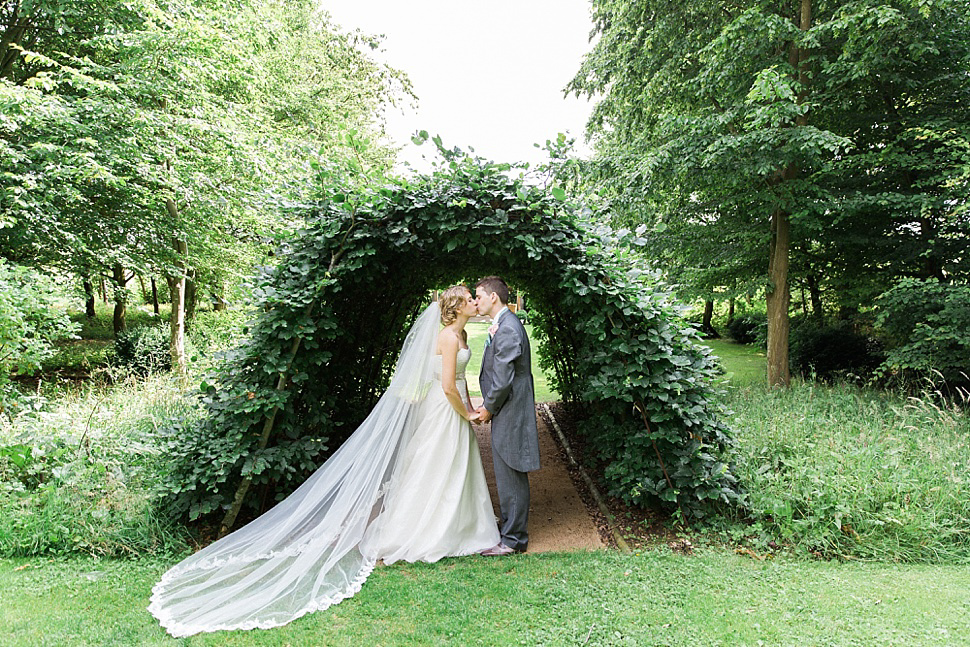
pixel 558 518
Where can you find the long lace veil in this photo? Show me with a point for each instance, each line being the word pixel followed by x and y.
pixel 305 554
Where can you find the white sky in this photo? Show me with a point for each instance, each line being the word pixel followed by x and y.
pixel 487 74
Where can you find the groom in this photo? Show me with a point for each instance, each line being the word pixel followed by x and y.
pixel 509 393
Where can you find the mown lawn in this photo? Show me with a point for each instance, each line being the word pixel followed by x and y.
pixel 599 598
pixel 744 364
pixel 477 332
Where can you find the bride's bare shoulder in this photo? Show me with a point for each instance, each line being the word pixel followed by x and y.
pixel 447 341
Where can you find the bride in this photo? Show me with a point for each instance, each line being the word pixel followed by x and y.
pixel 407 485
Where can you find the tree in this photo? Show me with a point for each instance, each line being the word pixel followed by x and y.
pixel 163 111
pixel 29 325
pixel 730 125
pixel 899 195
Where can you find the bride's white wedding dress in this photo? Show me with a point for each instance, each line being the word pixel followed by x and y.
pixel 407 485
pixel 437 503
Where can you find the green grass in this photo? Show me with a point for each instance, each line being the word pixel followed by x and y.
pixel 598 598
pixel 744 364
pixel 78 476
pixel 477 333
pixel 842 471
pixel 102 326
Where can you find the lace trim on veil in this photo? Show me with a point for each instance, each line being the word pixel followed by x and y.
pixel 308 547
pixel 179 630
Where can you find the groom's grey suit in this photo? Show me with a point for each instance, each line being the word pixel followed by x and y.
pixel 509 394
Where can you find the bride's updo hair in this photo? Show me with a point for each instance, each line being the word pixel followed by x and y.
pixel 451 302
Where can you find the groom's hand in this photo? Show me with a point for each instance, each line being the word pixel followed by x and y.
pixel 484 415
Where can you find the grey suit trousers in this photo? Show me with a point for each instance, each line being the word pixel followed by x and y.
pixel 509 395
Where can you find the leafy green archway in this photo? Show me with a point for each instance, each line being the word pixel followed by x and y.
pixel 334 313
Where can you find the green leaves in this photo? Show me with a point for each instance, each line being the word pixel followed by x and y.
pixel 155 125
pixel 927 327
pixel 30 322
pixel 611 337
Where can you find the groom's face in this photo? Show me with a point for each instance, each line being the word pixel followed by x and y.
pixel 482 302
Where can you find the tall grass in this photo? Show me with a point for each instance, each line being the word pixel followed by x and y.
pixel 856 474
pixel 847 472
pixel 78 474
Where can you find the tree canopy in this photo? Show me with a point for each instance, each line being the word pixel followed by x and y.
pixel 765 133
pixel 127 125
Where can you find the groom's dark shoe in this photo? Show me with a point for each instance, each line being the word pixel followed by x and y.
pixel 498 550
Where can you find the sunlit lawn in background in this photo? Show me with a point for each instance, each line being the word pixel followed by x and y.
pixel 477 333
pixel 745 365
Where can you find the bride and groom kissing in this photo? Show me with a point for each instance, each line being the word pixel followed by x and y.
pixel 407 485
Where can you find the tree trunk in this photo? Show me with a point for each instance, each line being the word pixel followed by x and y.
pixel 144 290
pixel 104 291
pixel 13 33
pixel 230 519
pixel 932 266
pixel 730 310
pixel 88 297
pixel 176 286
pixel 154 296
pixel 190 294
pixel 815 294
pixel 778 299
pixel 706 325
pixel 219 302
pixel 120 298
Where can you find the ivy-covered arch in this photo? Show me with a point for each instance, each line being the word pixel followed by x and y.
pixel 334 312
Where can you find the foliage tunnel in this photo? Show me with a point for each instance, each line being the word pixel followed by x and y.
pixel 333 315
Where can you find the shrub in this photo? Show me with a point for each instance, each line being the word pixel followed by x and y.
pixel 143 350
pixel 522 315
pixel 926 325
pixel 29 325
pixel 833 351
pixel 80 474
pixel 614 338
pixel 749 329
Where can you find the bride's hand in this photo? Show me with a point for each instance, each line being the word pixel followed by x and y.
pixel 474 416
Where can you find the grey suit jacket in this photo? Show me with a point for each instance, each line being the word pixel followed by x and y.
pixel 509 393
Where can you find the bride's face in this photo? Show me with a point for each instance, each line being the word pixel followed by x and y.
pixel 471 305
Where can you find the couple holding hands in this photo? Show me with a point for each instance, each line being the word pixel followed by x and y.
pixel 407 485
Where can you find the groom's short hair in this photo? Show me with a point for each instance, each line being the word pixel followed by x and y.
pixel 497 285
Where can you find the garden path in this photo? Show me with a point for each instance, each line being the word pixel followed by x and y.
pixel 558 518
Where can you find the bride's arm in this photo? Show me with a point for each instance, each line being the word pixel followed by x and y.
pixel 468 401
pixel 448 343
pixel 468 396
